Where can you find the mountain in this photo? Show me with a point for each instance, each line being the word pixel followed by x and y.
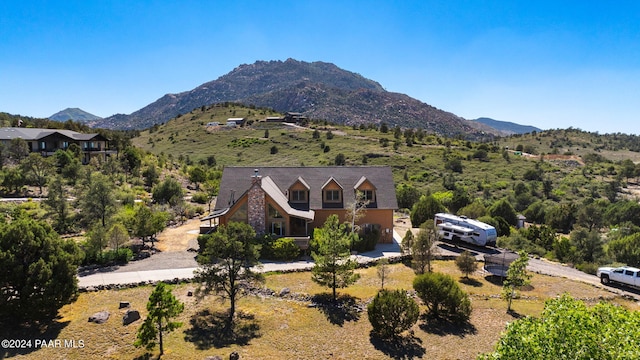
pixel 507 128
pixel 74 114
pixel 318 90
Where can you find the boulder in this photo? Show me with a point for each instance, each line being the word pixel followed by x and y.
pixel 99 317
pixel 130 316
pixel 234 356
pixel 284 291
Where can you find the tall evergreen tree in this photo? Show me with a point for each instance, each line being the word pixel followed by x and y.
pixel 57 205
pixel 162 307
pixel 226 258
pixel 517 277
pixel 39 270
pixel 333 267
pixel 98 201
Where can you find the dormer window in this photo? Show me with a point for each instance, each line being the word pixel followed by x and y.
pixel 298 196
pixel 366 190
pixel 299 191
pixel 332 196
pixel 369 195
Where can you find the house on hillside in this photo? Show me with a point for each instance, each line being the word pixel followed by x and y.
pixel 292 201
pixel 233 122
pixel 47 141
pixel 294 117
pixel 274 119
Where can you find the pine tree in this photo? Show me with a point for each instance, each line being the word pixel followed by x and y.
pixel 333 267
pixel 517 277
pixel 466 263
pixel 226 258
pixel 162 307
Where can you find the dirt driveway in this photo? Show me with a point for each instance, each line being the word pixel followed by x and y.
pixel 173 249
pixel 179 238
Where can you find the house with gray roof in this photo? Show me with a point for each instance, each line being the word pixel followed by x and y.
pixel 47 141
pixel 292 201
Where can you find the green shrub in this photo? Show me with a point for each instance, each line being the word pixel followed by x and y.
pixel 366 241
pixel 443 297
pixel 266 246
pixel 285 249
pixel 391 312
pixel 588 267
pixel 120 256
pixel 200 198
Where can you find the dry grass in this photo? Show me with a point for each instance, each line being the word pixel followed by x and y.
pixel 275 328
pixel 178 238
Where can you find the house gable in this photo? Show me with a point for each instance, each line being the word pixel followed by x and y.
pixel 368 191
pixel 298 219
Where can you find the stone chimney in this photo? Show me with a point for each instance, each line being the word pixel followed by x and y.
pixel 256 205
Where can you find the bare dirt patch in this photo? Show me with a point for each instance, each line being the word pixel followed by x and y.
pixel 179 238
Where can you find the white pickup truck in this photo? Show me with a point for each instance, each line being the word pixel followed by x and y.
pixel 623 275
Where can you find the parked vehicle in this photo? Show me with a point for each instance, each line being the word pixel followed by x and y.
pixel 623 275
pixel 461 228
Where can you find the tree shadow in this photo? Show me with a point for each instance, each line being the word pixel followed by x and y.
pixel 460 246
pixel 95 269
pixel 344 308
pixel 49 329
pixel 443 326
pixel 471 282
pixel 514 314
pixel 145 356
pixel 495 280
pixel 401 348
pixel 212 329
pixel 455 249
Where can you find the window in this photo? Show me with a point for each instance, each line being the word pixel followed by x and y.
pixel 277 228
pixel 369 195
pixel 298 196
pixel 274 213
pixel 65 144
pixel 240 215
pixel 629 273
pixel 332 195
pixel 43 145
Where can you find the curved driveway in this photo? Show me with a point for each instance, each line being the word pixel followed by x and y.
pixel 182 264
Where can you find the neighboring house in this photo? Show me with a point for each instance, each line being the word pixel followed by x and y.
pixel 47 141
pixel 213 123
pixel 235 121
pixel 274 119
pixel 294 117
pixel 292 201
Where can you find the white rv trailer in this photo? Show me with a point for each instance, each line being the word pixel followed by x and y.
pixel 448 231
pixel 481 234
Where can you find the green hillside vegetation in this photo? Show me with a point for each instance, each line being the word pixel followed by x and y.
pixel 439 164
pixel 560 179
pixel 578 190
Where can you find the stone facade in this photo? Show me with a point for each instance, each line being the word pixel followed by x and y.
pixel 256 205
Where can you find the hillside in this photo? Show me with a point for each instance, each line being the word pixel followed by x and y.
pixel 74 114
pixel 318 90
pixel 506 127
pixel 424 164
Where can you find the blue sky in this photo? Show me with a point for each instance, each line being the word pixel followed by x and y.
pixel 551 64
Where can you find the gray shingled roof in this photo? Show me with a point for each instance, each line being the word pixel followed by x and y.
pixel 237 180
pixel 36 133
